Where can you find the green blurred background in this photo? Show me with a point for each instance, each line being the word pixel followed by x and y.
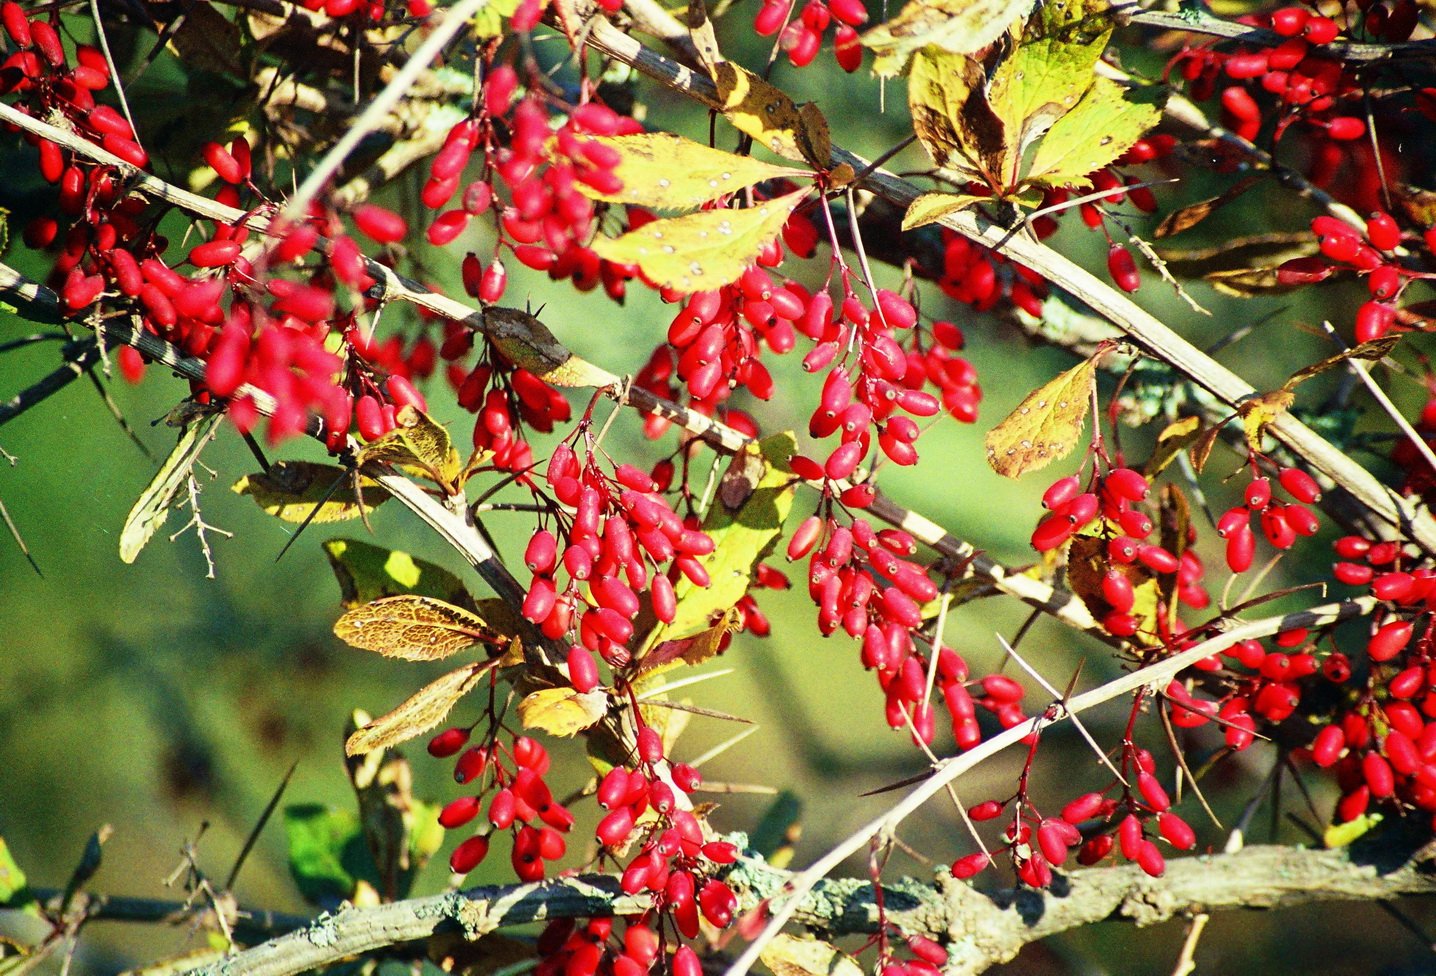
pixel 170 705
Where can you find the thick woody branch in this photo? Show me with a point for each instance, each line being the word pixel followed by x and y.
pixel 978 929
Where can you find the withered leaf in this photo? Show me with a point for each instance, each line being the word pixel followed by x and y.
pixel 791 955
pixel 696 649
pixel 1201 448
pixel 956 26
pixel 1087 563
pixel 765 112
pixel 562 711
pixel 1046 426
pixel 411 627
pixel 1185 218
pixel 417 442
pixel 1373 350
pixel 418 713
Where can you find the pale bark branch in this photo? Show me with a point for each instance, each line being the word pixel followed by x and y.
pixel 978 929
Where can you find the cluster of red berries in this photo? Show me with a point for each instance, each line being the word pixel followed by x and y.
pixel 1282 523
pixel 518 801
pixel 544 217
pixel 1370 255
pixel 1093 824
pixel 616 544
pixel 802 37
pixel 927 958
pixel 976 275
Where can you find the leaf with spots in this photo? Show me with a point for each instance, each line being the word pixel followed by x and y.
pixel 418 713
pixel 777 123
pixel 420 443
pixel 414 628
pixel 1046 426
pixel 1049 70
pixel 1101 127
pixel 562 711
pixel 701 251
pixel 668 172
pixel 952 120
pixel 1259 411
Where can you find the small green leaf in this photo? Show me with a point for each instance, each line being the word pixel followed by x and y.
pixel 14 889
pixel 1103 125
pixel 327 854
pixel 701 251
pixel 932 207
pixel 743 534
pixel 489 20
pixel 367 572
pixel 668 172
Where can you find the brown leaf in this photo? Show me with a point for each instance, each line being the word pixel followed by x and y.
pixel 1193 214
pixel 562 711
pixel 1046 426
pixel 1373 350
pixel 696 649
pixel 414 628
pixel 1202 447
pixel 525 341
pixel 418 713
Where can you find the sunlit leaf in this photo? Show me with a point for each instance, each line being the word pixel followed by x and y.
pixel 765 112
pixel 14 889
pixel 418 713
pixel 952 120
pixel 931 207
pixel 417 441
pixel 489 21
pixel 696 648
pixel 956 26
pixel 1087 563
pixel 153 506
pixel 327 854
pixel 668 172
pixel 367 572
pixel 1049 70
pixel 1259 411
pixel 1175 438
pixel 701 251
pixel 293 491
pixel 411 627
pixel 562 711
pixel 792 955
pixel 1044 427
pixel 525 341
pixel 1102 126
pixel 742 537
pixel 1348 833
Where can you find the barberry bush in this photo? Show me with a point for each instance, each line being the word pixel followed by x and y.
pixel 633 309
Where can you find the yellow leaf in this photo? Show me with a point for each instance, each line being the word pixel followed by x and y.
pixel 1345 834
pixel 774 120
pixel 791 955
pixel 417 441
pixel 701 251
pixel 932 207
pixel 1045 426
pixel 668 172
pixel 1087 563
pixel 1175 438
pixel 525 341
pixel 952 120
pixel 562 711
pixel 1102 126
pixel 1259 411
pixel 292 491
pixel 957 26
pixel 418 713
pixel 414 628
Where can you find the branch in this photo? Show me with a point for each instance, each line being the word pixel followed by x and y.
pixel 1145 329
pixel 979 929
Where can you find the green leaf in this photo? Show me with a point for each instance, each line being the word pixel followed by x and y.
pixel 489 20
pixel 367 572
pixel 327 854
pixel 293 491
pixel 153 506
pixel 932 207
pixel 744 524
pixel 956 26
pixel 701 251
pixel 14 889
pixel 1104 125
pixel 668 172
pixel 1049 71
